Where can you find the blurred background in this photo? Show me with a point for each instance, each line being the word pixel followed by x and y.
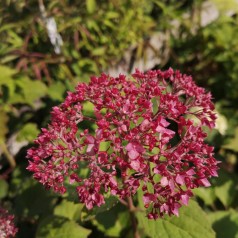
pixel 48 46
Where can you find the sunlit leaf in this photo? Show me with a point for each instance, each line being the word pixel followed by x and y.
pixel 28 132
pixel 60 227
pixel 206 194
pixel 232 145
pixel 56 91
pixel 191 223
pixel 68 209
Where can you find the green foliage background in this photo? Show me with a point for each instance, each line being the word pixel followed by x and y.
pixel 100 36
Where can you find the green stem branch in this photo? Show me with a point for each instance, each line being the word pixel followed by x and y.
pixel 132 210
pixel 8 155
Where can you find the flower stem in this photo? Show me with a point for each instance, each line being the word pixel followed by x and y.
pixel 8 155
pixel 133 217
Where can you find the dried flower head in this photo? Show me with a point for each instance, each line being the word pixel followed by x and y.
pixel 148 133
pixel 7 227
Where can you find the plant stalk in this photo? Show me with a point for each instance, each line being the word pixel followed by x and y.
pixel 8 155
pixel 133 217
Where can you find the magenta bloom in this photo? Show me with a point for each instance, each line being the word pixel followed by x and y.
pixel 7 227
pixel 148 133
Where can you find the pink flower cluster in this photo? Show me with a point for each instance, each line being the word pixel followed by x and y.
pixel 148 134
pixel 7 227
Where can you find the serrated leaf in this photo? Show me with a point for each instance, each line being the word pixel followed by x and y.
pixel 60 227
pixel 191 223
pixel 69 210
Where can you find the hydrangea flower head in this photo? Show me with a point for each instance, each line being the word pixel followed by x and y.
pixel 7 227
pixel 147 133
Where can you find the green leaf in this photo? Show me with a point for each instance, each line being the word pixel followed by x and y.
pixel 225 188
pixel 60 227
pixel 155 102
pixel 30 197
pixel 20 89
pixel 99 51
pixel 206 194
pixel 226 192
pixel 30 91
pixel 104 145
pixel 6 72
pixel 88 109
pixel 232 145
pixel 71 195
pixel 69 210
pixel 3 188
pixel 56 91
pixel 113 221
pixel 91 5
pixel 8 58
pixel 6 79
pixel 28 132
pixel 225 6
pixel 112 15
pixel 3 125
pixel 90 214
pixel 191 223
pixel 225 223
